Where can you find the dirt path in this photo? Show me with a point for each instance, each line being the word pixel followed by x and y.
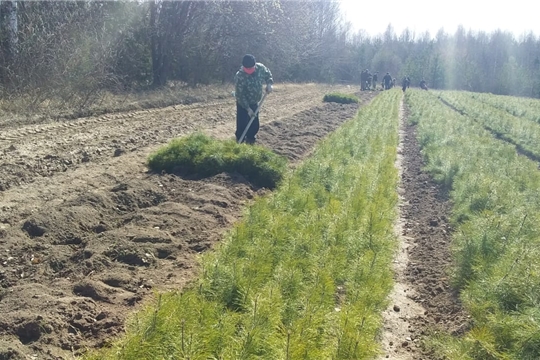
pixel 422 301
pixel 86 232
pixel 396 337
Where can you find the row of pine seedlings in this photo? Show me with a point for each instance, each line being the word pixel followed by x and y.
pixel 495 194
pixel 522 131
pixel 305 274
pixel 517 106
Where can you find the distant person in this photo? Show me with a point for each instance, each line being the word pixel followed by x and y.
pixel 387 80
pixel 393 82
pixel 375 80
pixel 364 78
pixel 249 81
pixel 405 83
pixel 423 84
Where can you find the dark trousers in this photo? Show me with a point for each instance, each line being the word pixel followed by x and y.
pixel 242 119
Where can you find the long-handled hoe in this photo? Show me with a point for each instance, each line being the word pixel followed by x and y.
pixel 252 118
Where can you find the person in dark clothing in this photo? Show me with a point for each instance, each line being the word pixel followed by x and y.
pixel 423 84
pixel 364 79
pixel 387 79
pixel 375 80
pixel 249 81
pixel 405 83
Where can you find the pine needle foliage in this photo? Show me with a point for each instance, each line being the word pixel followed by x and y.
pixel 496 214
pixel 526 108
pixel 198 154
pixel 520 131
pixel 340 98
pixel 305 274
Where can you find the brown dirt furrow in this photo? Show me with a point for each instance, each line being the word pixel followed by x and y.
pixel 295 137
pixel 425 213
pixel 82 248
pixel 396 337
pixel 34 151
pixel 422 302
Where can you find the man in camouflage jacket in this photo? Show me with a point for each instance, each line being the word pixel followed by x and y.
pixel 249 81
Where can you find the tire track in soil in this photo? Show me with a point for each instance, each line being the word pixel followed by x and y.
pixel 81 249
pixel 425 302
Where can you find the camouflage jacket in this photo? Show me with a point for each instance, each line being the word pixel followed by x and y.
pixel 249 87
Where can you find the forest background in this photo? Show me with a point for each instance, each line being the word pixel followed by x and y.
pixel 77 50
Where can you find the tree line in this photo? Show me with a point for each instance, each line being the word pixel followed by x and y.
pixel 76 49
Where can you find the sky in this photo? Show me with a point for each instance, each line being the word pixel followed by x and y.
pixel 516 16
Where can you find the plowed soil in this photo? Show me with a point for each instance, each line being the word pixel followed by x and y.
pixel 427 214
pixel 423 301
pixel 87 232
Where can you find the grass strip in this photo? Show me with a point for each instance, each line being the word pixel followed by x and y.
pixel 340 98
pixel 305 275
pixel 496 215
pixel 201 155
pixel 519 131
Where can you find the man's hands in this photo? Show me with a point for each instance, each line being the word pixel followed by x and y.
pixel 269 89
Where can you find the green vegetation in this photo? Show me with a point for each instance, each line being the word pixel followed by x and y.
pixel 113 50
pixel 521 132
pixel 305 275
pixel 496 216
pixel 204 156
pixel 522 107
pixel 340 98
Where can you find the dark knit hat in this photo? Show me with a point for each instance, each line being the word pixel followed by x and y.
pixel 248 61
